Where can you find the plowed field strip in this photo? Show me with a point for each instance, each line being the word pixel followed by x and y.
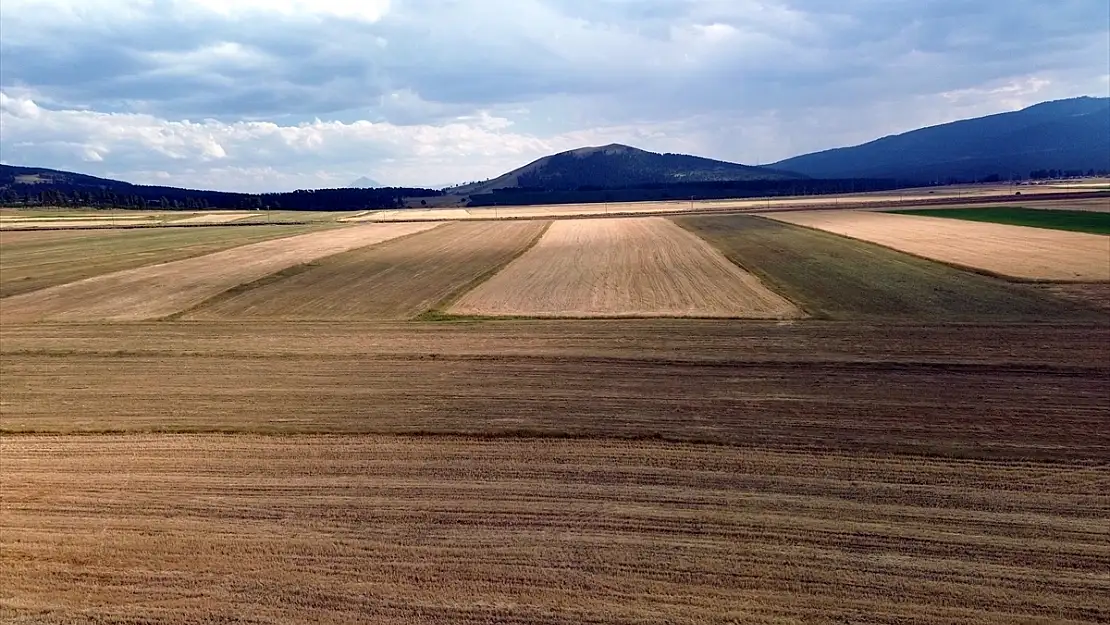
pixel 430 531
pixel 622 267
pixel 840 278
pixel 34 260
pixel 981 412
pixel 394 280
pixel 161 290
pixel 1013 251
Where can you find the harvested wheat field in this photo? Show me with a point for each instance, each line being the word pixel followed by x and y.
pixel 192 529
pixel 1013 251
pixel 395 280
pixel 553 471
pixel 646 267
pixel 161 290
pixel 33 224
pixel 214 218
pixel 32 260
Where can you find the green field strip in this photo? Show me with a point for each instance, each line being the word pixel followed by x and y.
pixel 1052 219
pixel 834 277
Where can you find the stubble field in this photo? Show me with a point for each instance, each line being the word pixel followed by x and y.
pixel 397 280
pixel 643 267
pixel 1014 251
pixel 155 291
pixel 930 447
pixel 34 260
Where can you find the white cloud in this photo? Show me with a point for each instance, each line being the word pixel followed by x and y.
pixel 279 93
pixel 469 147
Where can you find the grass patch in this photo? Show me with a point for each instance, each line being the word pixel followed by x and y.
pixel 1070 220
pixel 835 277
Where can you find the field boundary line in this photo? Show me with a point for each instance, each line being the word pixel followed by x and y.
pixel 779 288
pixel 437 311
pixel 279 275
pixel 954 265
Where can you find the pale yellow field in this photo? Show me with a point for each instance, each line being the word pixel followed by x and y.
pixel 161 290
pixel 1013 251
pixel 623 267
pixel 30 224
pixel 214 218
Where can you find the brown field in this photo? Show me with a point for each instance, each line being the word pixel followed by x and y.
pixel 623 267
pixel 161 290
pixel 1018 252
pixel 615 471
pixel 932 449
pixel 34 260
pixel 400 530
pixel 1095 295
pixel 395 280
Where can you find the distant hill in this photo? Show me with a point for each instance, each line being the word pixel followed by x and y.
pixel 1068 135
pixel 615 166
pixel 365 183
pixel 37 186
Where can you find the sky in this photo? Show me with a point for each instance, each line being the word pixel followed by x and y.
pixel 275 95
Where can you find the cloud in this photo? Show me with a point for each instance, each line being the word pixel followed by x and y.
pixel 422 91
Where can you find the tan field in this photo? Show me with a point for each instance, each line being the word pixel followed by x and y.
pixel 160 290
pixel 623 267
pixel 36 259
pixel 422 531
pixel 1013 251
pixel 549 472
pixel 30 224
pixel 395 280
pixel 214 218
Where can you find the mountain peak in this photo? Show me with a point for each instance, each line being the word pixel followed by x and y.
pixel 612 148
pixel 618 165
pixel 365 183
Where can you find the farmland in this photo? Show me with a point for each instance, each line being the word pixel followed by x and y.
pixel 398 279
pixel 1032 254
pixel 1061 219
pixel 470 531
pixel 161 290
pixel 622 267
pixel 35 260
pixel 835 277
pixel 278 430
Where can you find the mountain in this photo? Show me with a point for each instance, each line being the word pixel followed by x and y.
pixel 365 183
pixel 616 165
pixel 36 186
pixel 1064 135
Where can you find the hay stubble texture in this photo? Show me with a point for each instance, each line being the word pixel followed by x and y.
pixel 1013 251
pixel 641 267
pixel 161 290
